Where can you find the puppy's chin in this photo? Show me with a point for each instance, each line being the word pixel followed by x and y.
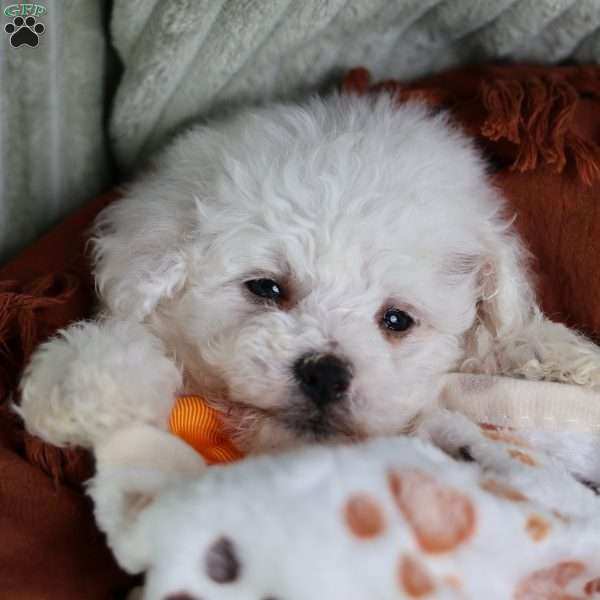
pixel 310 423
pixel 257 431
pixel 291 421
pixel 265 434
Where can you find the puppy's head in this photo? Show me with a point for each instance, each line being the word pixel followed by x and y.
pixel 315 268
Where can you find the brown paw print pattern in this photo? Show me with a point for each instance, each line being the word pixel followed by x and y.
pixel 222 565
pixel 221 562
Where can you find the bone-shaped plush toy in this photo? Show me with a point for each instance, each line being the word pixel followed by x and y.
pixel 388 519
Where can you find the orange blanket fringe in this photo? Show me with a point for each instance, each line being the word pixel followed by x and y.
pixel 534 113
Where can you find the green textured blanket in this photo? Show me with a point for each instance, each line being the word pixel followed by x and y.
pixel 182 59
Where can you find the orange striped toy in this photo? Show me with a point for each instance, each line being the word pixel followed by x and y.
pixel 199 425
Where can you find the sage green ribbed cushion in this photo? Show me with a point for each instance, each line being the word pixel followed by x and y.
pixel 52 146
pixel 185 58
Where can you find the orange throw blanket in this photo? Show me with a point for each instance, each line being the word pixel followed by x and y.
pixel 539 126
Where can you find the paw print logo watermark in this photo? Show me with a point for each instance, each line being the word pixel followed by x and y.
pixel 24 31
pixel 25 28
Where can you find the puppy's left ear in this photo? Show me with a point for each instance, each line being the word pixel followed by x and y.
pixel 511 335
pixel 132 468
pixel 139 250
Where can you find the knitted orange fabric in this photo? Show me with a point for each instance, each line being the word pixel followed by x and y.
pixel 196 423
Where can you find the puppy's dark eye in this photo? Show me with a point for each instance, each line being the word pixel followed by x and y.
pixel 397 320
pixel 265 288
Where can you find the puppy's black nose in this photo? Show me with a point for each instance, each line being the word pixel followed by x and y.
pixel 324 378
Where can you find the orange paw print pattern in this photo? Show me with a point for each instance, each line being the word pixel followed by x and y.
pixel 551 583
pixel 364 516
pixel 505 436
pixel 441 518
pixel 502 490
pixel 414 579
pixel 537 527
pixel 592 587
pixel 522 457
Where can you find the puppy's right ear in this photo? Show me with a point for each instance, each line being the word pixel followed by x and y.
pixel 139 251
pixel 132 468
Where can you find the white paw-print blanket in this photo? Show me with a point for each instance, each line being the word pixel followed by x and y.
pixel 467 512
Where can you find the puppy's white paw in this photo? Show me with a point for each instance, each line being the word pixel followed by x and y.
pixel 94 378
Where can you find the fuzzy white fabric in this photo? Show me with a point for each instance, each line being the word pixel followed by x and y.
pixel 353 205
pixel 390 518
pixel 562 420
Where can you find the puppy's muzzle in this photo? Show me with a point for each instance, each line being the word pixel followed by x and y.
pixel 323 378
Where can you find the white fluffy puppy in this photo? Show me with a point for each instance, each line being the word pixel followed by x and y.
pixel 313 270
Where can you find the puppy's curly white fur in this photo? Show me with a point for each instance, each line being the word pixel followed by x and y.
pixel 314 269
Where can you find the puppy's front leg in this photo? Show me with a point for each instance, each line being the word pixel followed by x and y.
pixel 94 378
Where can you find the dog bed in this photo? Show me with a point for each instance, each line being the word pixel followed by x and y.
pixel 538 128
